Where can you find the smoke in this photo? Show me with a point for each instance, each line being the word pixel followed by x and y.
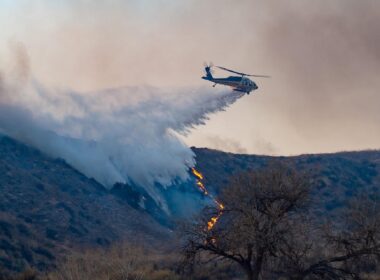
pixel 224 144
pixel 127 134
pixel 323 57
pixel 327 63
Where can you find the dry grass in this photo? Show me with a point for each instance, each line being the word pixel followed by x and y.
pixel 128 262
pixel 120 262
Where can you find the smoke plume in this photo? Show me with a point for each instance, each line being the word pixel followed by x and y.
pixel 127 134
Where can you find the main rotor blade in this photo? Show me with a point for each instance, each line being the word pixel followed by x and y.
pixel 243 74
pixel 232 71
pixel 259 76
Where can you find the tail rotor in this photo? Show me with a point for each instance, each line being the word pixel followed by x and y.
pixel 208 69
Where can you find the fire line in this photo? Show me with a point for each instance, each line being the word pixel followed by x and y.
pixel 199 177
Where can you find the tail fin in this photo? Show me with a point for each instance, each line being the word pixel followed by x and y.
pixel 208 73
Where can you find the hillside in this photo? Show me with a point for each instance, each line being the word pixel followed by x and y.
pixel 48 208
pixel 336 177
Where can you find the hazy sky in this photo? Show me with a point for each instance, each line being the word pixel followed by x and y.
pixel 323 56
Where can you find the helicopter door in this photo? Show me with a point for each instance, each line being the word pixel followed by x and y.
pixel 245 82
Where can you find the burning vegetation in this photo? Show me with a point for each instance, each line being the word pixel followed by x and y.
pixel 213 220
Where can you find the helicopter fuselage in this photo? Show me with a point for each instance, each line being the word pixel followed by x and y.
pixel 238 83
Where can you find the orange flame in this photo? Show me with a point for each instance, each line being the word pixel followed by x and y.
pixel 211 223
pixel 197 173
pixel 202 187
pixel 220 205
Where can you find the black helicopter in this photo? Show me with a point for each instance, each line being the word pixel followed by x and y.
pixel 238 83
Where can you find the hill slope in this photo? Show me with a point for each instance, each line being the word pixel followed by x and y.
pixel 336 177
pixel 47 207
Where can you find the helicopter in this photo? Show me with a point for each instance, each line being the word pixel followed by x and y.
pixel 238 83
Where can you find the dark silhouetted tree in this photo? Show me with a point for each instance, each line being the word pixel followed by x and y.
pixel 260 208
pixel 268 227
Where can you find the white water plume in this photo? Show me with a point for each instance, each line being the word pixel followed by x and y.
pixel 126 134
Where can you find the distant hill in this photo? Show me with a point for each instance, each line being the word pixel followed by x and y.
pixel 48 208
pixel 335 177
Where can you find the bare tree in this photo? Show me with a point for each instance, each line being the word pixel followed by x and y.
pixel 346 249
pixel 269 230
pixel 260 208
